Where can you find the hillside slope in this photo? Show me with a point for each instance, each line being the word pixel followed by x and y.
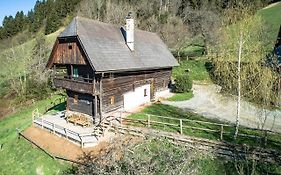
pixel 15 60
pixel 272 15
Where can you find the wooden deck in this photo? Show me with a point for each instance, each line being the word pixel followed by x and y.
pixel 57 124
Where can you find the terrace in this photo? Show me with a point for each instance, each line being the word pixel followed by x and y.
pixel 57 124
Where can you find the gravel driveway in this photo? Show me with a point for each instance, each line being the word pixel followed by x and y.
pixel 209 102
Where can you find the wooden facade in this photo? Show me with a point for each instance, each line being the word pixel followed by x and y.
pixel 100 73
pixel 92 93
pixel 68 51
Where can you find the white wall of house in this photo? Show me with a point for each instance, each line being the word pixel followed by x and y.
pixel 137 97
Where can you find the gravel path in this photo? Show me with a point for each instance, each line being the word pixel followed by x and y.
pixel 209 102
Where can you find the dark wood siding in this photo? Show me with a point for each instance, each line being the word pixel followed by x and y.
pixel 126 82
pixel 84 104
pixel 69 52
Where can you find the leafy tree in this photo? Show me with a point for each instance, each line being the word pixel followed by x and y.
pixel 183 83
pixel 239 62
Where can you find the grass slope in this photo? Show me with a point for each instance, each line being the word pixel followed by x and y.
pixel 272 15
pixel 15 60
pixel 18 156
pixel 174 112
pixel 208 165
pixel 181 96
pixel 197 70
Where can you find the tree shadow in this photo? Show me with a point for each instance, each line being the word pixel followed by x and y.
pixel 58 107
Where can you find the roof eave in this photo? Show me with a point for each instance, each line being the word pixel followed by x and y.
pixel 133 69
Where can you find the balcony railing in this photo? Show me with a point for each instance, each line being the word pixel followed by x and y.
pixel 77 85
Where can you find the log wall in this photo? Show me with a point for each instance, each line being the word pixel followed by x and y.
pixel 68 53
pixel 85 103
pixel 117 86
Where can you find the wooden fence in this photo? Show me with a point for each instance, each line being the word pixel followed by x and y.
pixel 180 124
pixel 219 148
pixel 82 139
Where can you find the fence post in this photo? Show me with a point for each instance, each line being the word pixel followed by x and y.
pixel 121 117
pixel 265 137
pixel 82 144
pixel 32 118
pixel 221 132
pixel 42 122
pixel 181 126
pixel 53 128
pixel 65 130
pixel 148 120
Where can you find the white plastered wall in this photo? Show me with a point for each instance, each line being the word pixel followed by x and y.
pixel 136 98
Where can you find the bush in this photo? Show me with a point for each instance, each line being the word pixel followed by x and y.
pixel 183 83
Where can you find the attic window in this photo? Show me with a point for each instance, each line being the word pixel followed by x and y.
pixel 112 100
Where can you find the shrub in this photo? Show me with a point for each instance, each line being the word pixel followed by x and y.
pixel 183 83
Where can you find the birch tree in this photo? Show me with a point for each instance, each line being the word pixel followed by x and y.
pixel 239 63
pixel 239 85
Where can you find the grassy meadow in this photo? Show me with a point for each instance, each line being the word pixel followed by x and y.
pixel 17 156
pixel 271 16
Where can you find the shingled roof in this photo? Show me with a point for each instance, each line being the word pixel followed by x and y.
pixel 106 49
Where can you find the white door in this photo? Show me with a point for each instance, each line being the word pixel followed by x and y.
pixel 139 96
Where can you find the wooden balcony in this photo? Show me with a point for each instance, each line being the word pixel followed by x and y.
pixel 76 85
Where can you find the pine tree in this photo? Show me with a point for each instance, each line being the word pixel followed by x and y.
pixel 52 22
pixel 8 24
pixel 20 21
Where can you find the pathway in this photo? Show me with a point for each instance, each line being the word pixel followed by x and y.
pixel 209 102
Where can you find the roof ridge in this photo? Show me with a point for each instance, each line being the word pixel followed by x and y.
pixel 110 24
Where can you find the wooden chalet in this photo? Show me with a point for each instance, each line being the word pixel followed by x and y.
pixel 104 67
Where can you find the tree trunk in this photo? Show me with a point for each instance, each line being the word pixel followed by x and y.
pixel 238 86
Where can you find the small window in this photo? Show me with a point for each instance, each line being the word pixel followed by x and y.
pixel 75 72
pixel 75 100
pixel 112 100
pixel 144 92
pixel 69 47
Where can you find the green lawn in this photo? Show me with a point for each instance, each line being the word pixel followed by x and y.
pixel 181 96
pixel 197 69
pixel 18 156
pixel 173 112
pixel 272 16
pixel 189 52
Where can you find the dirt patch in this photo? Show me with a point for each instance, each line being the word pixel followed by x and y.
pixel 5 108
pixel 60 146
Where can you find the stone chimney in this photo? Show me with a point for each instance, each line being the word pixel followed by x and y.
pixel 130 31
